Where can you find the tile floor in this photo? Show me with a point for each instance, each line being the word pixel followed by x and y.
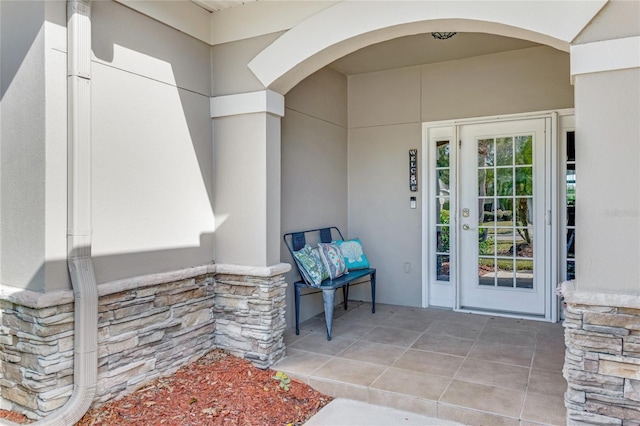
pixel 473 369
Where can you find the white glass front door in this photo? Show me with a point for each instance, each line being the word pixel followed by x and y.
pixel 501 210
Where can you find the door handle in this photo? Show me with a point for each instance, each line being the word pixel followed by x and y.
pixel 465 227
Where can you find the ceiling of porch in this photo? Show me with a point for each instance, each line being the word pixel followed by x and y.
pixel 423 49
pixel 216 5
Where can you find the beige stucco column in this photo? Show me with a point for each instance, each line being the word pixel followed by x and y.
pixel 606 77
pixel 246 138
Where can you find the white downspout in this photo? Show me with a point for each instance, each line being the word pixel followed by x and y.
pixel 85 289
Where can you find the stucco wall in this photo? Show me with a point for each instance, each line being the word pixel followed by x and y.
pixel 608 207
pixel 229 72
pixel 386 110
pixel 314 166
pixel 33 145
pixel 152 151
pixel 617 19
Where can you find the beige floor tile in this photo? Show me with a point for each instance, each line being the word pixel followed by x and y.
pixel 339 389
pixel 473 417
pixel 291 337
pixel 462 317
pixel 301 362
pixel 380 307
pixel 374 353
pixel 455 329
pixel 514 323
pixel 392 336
pixel 408 310
pixel 550 341
pixel 349 371
pixel 506 402
pixel 413 383
pixel 401 401
pixel 425 313
pixel 508 336
pixel 349 330
pixel 548 359
pixel 503 353
pixel 544 409
pixel 407 322
pixel 365 316
pixel 493 374
pixel 318 343
pixel 547 382
pixel 551 328
pixel 443 344
pixel 429 362
pixel 314 325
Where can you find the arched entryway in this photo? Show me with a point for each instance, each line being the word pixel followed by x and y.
pixel 383 120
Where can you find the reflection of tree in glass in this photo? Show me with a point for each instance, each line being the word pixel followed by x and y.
pixel 506 173
pixel 485 158
pixel 524 183
pixel 442 162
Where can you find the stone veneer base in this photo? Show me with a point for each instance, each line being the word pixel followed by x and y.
pixel 148 327
pixel 602 360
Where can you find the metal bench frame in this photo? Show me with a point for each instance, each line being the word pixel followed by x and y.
pixel 297 240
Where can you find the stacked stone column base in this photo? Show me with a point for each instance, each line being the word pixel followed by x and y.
pixel 602 361
pixel 148 327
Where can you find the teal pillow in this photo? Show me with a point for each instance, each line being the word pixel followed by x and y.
pixel 332 259
pixel 353 254
pixel 310 265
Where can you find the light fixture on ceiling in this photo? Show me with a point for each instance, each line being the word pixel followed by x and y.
pixel 442 36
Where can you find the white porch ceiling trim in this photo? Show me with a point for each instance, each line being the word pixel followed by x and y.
pixel 608 55
pixel 248 103
pixel 184 16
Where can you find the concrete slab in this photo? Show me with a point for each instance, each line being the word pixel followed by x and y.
pixel 345 412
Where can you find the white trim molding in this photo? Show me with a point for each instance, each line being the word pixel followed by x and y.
pixel 248 103
pixel 184 16
pixel 351 25
pixel 607 55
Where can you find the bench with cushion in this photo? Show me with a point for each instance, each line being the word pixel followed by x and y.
pixel 297 243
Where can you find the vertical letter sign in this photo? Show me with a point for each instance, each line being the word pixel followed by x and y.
pixel 413 170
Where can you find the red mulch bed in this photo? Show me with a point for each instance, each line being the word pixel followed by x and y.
pixel 218 389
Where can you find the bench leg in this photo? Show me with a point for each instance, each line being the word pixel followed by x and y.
pixel 373 293
pixel 297 298
pixel 345 295
pixel 328 298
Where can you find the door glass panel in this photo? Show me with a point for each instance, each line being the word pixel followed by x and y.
pixel 523 150
pixel 571 244
pixel 442 268
pixel 504 181
pixel 442 210
pixel 524 274
pixel 485 152
pixel 523 242
pixel 570 191
pixel 504 241
pixel 442 206
pixel 504 151
pixel 524 181
pixel 443 239
pixel 486 184
pixel 524 211
pixel 442 154
pixel 504 275
pixel 486 271
pixel 486 241
pixel 505 212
